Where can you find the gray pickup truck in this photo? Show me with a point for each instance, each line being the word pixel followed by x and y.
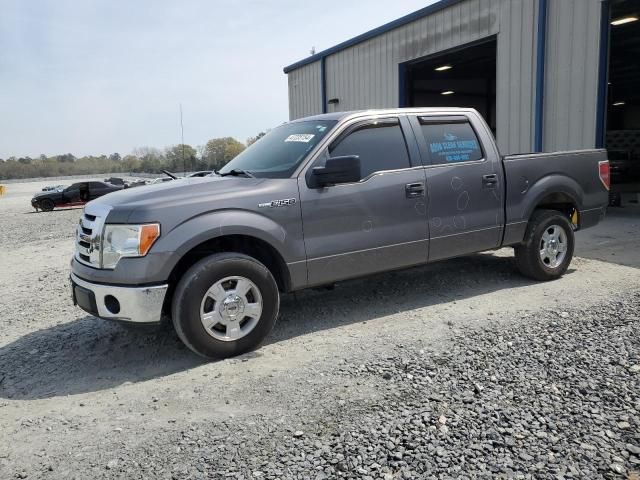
pixel 323 199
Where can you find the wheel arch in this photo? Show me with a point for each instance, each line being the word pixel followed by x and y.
pixel 252 246
pixel 555 192
pixel 560 201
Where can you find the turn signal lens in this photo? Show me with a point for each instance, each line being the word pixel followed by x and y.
pixel 148 235
pixel 605 175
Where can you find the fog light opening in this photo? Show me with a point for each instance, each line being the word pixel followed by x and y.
pixel 112 304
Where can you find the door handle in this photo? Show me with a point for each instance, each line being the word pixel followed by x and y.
pixel 490 181
pixel 414 190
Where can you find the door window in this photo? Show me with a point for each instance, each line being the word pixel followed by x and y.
pixel 451 142
pixel 380 145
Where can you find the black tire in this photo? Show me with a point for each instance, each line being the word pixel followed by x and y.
pixel 46 205
pixel 192 288
pixel 528 259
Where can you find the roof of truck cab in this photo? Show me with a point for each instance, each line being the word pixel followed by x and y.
pixel 383 111
pixel 324 116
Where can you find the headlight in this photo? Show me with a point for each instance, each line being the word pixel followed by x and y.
pixel 127 241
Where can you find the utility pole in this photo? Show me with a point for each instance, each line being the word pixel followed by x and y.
pixel 184 165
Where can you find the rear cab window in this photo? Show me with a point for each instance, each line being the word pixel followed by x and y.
pixel 450 141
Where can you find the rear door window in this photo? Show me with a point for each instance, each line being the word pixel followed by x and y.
pixel 450 142
pixel 380 145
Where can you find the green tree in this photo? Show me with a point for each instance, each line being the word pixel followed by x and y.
pixel 151 159
pixel 67 157
pixel 130 163
pixel 219 151
pixel 252 140
pixel 174 156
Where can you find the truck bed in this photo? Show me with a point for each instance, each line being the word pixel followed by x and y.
pixel 570 177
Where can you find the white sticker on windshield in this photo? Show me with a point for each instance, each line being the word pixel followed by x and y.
pixel 300 137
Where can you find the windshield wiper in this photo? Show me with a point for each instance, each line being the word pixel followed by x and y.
pixel 237 172
pixel 169 174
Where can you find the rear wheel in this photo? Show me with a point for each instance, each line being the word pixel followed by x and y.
pixel 46 205
pixel 225 305
pixel 547 249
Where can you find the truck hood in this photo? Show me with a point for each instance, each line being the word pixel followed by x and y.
pixel 191 196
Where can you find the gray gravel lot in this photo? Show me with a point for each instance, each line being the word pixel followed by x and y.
pixel 462 369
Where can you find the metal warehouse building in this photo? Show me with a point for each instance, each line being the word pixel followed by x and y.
pixel 546 74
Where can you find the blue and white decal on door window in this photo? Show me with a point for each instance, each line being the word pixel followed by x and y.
pixel 451 142
pixel 452 149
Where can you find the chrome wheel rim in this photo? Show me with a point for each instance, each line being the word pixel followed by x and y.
pixel 231 308
pixel 553 246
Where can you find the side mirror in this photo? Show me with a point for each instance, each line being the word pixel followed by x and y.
pixel 336 170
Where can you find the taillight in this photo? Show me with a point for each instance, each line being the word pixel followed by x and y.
pixel 605 175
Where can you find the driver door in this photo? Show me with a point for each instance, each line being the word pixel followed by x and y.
pixel 72 194
pixel 373 225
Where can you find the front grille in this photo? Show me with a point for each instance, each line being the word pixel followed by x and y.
pixel 89 233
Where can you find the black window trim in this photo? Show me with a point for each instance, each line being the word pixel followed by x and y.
pixel 354 127
pixel 390 120
pixel 455 119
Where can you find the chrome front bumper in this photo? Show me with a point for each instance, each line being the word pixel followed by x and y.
pixel 129 304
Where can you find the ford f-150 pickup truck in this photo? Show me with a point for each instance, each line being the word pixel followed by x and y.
pixel 324 199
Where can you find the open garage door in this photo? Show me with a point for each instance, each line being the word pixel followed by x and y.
pixel 463 77
pixel 622 138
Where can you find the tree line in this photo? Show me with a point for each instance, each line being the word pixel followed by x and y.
pixel 176 158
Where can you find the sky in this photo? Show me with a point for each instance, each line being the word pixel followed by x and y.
pixel 102 76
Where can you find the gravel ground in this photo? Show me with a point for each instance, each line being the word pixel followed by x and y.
pixel 462 369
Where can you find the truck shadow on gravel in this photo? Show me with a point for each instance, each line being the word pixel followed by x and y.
pixel 89 354
pixel 402 290
pixel 85 355
pixel 57 210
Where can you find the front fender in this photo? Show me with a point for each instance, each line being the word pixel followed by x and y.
pixel 197 230
pixel 165 254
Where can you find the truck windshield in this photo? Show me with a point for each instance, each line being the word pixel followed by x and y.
pixel 279 152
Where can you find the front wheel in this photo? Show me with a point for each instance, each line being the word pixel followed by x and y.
pixel 47 205
pixel 547 249
pixel 225 305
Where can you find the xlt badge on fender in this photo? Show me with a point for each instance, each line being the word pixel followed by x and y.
pixel 278 203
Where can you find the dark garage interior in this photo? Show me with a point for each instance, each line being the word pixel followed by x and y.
pixel 623 99
pixel 464 77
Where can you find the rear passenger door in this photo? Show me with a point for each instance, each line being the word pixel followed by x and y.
pixel 464 185
pixel 376 224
